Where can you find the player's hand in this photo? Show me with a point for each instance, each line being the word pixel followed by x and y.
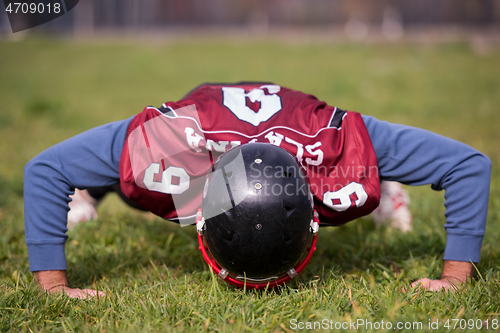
pixel 455 273
pixel 436 285
pixel 78 293
pixel 57 282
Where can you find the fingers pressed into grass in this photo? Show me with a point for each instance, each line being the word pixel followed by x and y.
pixel 83 293
pixel 436 285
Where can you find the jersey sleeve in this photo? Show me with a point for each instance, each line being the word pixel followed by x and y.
pixel 90 159
pixel 415 156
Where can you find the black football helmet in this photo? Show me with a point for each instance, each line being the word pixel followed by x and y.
pixel 257 219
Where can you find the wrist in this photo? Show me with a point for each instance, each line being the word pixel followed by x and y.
pixel 457 271
pixel 452 279
pixel 51 280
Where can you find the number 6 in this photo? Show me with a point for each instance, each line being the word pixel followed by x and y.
pixel 166 185
pixel 342 199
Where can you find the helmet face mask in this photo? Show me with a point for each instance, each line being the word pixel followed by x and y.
pixel 257 216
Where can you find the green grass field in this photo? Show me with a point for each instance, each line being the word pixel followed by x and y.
pixel 152 271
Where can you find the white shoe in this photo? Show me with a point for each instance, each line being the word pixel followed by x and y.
pixel 82 208
pixel 393 209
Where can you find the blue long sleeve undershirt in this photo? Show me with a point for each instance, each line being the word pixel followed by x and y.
pixel 409 155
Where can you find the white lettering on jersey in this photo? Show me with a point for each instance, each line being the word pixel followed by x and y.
pixel 220 147
pixel 274 139
pixel 193 139
pixel 341 200
pixel 300 148
pixel 318 153
pixel 235 100
pixel 235 144
pixel 197 142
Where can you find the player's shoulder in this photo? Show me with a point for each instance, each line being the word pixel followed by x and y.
pixel 217 86
pixel 216 89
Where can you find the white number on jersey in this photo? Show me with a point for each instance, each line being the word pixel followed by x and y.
pixel 174 180
pixel 341 200
pixel 235 100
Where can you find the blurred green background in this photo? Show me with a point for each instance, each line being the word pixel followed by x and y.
pixel 52 88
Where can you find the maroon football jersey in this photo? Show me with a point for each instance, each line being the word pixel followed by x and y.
pixel 169 150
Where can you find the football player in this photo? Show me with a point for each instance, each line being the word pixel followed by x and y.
pixel 257 167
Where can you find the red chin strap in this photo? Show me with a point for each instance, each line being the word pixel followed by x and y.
pixel 247 283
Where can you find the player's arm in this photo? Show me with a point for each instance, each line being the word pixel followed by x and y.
pixel 417 157
pixel 90 159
